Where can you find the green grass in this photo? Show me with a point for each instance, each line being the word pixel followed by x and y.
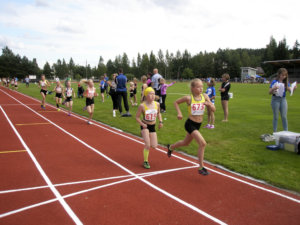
pixel 235 145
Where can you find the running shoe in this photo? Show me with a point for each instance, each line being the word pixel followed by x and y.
pixel 69 114
pixel 146 165
pixel 89 123
pixel 114 113
pixel 212 127
pixel 203 171
pixel 58 110
pixel 43 107
pixel 84 108
pixel 207 126
pixel 169 151
pixel 64 102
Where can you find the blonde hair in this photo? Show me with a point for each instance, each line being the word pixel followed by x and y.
pixel 162 80
pixel 131 83
pixel 144 78
pixel 226 76
pixel 194 81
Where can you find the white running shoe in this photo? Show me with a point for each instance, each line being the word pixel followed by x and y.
pixel 114 113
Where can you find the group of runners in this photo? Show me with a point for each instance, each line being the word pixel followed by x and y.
pixel 153 96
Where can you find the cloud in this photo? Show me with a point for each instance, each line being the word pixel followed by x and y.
pixel 41 3
pixel 86 29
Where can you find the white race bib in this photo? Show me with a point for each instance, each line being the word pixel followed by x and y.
pixel 69 92
pixel 150 114
pixel 197 109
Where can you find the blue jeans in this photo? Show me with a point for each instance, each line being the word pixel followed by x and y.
pixel 279 104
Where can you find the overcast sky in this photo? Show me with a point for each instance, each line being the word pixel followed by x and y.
pixel 86 29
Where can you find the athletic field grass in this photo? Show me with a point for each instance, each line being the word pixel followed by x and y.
pixel 235 145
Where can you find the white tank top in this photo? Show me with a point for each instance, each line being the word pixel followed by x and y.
pixel 90 93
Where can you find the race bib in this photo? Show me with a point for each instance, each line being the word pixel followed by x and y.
pixel 58 90
pixel 90 94
pixel 151 114
pixel 197 109
pixel 43 84
pixel 69 92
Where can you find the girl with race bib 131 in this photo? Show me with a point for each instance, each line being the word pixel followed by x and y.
pixel 150 110
pixel 196 102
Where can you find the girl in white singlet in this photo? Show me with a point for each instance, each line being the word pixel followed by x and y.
pixel 196 102
pixel 69 93
pixel 59 89
pixel 89 94
pixel 43 84
pixel 150 110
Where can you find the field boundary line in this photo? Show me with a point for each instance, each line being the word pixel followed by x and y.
pixel 123 134
pixel 125 169
pixel 42 172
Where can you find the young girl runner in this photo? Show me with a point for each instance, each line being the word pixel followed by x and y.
pixel 150 110
pixel 144 86
pixel 58 96
pixel 43 84
pixel 102 87
pixel 131 91
pixel 90 93
pixel 211 92
pixel 163 93
pixel 196 106
pixel 68 98
pixel 224 89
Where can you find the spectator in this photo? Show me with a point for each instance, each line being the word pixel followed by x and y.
pixel 278 89
pixel 113 93
pixel 121 81
pixel 155 81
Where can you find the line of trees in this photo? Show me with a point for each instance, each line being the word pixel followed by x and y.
pixel 172 66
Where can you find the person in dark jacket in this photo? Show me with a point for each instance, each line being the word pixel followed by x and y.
pixel 121 81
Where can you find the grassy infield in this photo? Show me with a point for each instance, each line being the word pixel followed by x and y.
pixel 236 145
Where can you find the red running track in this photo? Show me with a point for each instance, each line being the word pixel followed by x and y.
pixel 57 169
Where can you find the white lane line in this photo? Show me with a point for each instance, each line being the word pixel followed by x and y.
pixel 127 170
pixel 183 159
pixel 47 180
pixel 93 180
pixel 84 191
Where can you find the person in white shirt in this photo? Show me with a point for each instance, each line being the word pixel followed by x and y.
pixel 155 81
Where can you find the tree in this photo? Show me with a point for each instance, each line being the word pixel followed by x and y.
pixel 152 61
pixel 282 51
pixel 47 70
pixel 296 50
pixel 101 69
pixel 125 64
pixel 110 67
pixel 144 67
pixel 71 66
pixel 187 73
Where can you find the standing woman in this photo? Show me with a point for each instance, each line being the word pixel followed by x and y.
pixel 278 89
pixel 224 89
pixel 90 93
pixel 43 84
pixel 113 93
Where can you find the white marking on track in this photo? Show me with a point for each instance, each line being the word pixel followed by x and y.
pixel 90 189
pixel 179 157
pixel 127 170
pixel 42 172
